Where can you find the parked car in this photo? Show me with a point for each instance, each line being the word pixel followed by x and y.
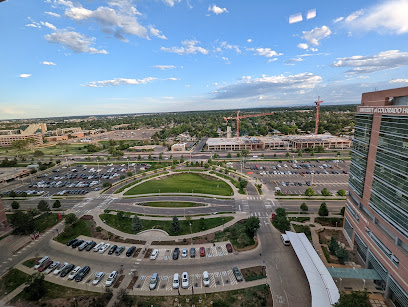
pixel 202 251
pixel 74 273
pixel 59 269
pixel 67 269
pixel 130 251
pixel 184 253
pixel 154 254
pixel 176 281
pixel 83 245
pixel 237 273
pixel 112 249
pixel 98 246
pixel 45 265
pixel 192 252
pixel 98 277
pixel 184 280
pixel 82 273
pixel 154 281
pixel 77 243
pixel 40 262
pixel 70 242
pixel 206 279
pixel 176 253
pixel 52 267
pixel 119 250
pixel 111 279
pixel 229 248
pixel 90 246
pixel 104 248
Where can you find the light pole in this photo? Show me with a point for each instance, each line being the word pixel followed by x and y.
pixel 191 231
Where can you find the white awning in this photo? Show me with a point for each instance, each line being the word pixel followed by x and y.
pixel 322 286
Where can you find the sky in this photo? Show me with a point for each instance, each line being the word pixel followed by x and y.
pixel 93 57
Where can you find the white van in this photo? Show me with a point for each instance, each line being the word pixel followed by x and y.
pixel 98 246
pixel 285 239
pixel 40 262
pixel 176 281
pixel 206 279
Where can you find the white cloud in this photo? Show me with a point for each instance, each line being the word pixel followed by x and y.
pixel 33 25
pixel 387 16
pixel 399 81
pixel 272 60
pixel 157 33
pixel 48 63
pixel 311 14
pixel 74 41
pixel 314 36
pixel 338 19
pixel 227 46
pixel 52 14
pixel 217 10
pixel 249 87
pixel 25 75
pixel 189 47
pixel 249 40
pixel 295 18
pixel 372 63
pixel 173 79
pixel 226 60
pixel 119 81
pixel 314 49
pixel 303 46
pixel 49 25
pixel 266 52
pixel 171 2
pixel 164 67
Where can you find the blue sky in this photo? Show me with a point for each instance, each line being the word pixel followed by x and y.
pixel 64 58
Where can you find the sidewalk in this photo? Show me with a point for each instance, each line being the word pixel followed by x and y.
pixel 11 295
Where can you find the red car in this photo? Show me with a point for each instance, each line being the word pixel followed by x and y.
pixel 45 265
pixel 229 248
pixel 202 252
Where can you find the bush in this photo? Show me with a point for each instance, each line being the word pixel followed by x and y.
pixel 15 205
pixel 323 211
pixel 56 204
pixel 341 192
pixel 71 219
pixel 43 206
pixel 304 207
pixel 106 184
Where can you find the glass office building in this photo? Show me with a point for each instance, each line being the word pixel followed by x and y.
pixel 376 219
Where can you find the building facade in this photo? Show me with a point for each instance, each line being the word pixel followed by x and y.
pixel 376 218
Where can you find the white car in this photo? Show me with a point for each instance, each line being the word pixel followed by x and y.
pixel 60 268
pixel 104 248
pixel 184 253
pixel 40 262
pixel 98 246
pixel 184 280
pixel 98 277
pixel 206 279
pixel 176 281
pixel 154 254
pixel 111 279
pixel 74 273
pixel 52 267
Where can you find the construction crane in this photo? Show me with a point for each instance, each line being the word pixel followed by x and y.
pixel 238 117
pixel 317 102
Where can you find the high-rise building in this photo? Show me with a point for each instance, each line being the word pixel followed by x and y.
pixel 376 219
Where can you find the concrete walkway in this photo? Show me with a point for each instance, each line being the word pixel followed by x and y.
pixel 11 295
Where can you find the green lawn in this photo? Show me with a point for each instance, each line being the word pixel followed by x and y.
pixel 303 228
pixel 183 183
pixel 233 181
pixel 13 279
pixel 49 150
pixel 81 227
pixel 300 219
pixel 125 224
pixel 236 234
pixel 172 204
pixel 46 221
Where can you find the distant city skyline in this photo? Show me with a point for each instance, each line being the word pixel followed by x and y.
pixel 78 58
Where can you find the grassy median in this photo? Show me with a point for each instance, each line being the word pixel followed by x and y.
pixel 171 204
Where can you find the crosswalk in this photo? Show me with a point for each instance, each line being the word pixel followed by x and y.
pixel 259 214
pixel 254 197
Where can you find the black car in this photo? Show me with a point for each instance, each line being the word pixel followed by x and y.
pixel 67 269
pixel 130 251
pixel 77 243
pixel 82 273
pixel 70 242
pixel 112 249
pixel 90 246
pixel 119 250
pixel 176 253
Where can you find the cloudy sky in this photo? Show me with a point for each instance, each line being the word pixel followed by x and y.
pixel 63 58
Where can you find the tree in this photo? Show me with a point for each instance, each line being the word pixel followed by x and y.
pixel 137 224
pixel 15 205
pixel 342 254
pixel 129 173
pixel 238 155
pixel 229 155
pixel 353 299
pixel 242 183
pixel 310 192
pixel 139 157
pixel 150 157
pixel 58 161
pixel 281 221
pixel 38 153
pixel 323 211
pixel 13 194
pixel 304 207
pixel 106 184
pixel 56 204
pixel 182 159
pixel 71 219
pixel 341 192
pixel 22 223
pixel 43 206
pixel 122 177
pixel 215 156
pixel 287 155
pixel 263 155
pixel 326 192
pixel 333 245
pixel 312 153
pixel 342 211
pixel 36 288
pixel 175 225
pixel 274 155
pixel 120 215
pixel 252 225
pixel 245 153
pixel 300 153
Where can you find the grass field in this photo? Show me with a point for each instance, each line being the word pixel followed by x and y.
pixel 81 227
pixel 236 234
pixel 46 221
pixel 172 204
pixel 49 150
pixel 183 183
pixel 125 224
pixel 13 279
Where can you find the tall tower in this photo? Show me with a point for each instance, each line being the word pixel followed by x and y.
pixel 317 102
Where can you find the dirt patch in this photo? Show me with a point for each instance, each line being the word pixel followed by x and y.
pixel 132 282
pixel 148 253
pixel 248 247
pixel 208 238
pixel 324 239
pixel 118 281
pixel 253 273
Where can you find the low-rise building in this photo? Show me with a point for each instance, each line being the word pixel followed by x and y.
pixel 178 147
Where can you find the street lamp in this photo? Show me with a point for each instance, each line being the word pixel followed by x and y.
pixel 191 230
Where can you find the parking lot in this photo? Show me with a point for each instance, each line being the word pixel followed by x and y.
pixel 76 180
pixel 294 177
